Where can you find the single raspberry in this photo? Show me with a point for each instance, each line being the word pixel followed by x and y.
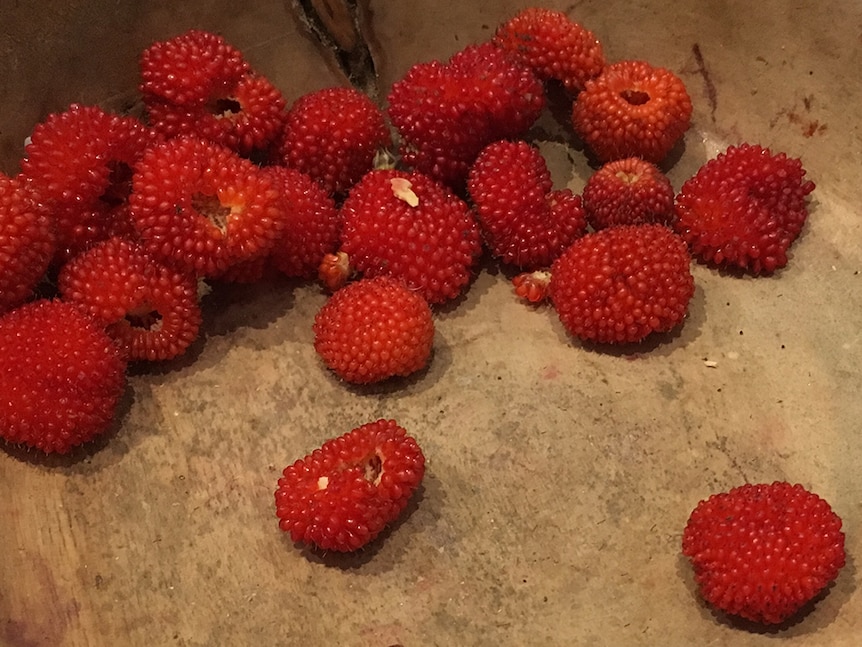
pixel 26 242
pixel 80 163
pixel 341 496
pixel 446 113
pixel 333 135
pixel 763 551
pixel 151 311
pixel 622 283
pixel 526 222
pixel 201 208
pixel 247 118
pixel 553 46
pixel 191 69
pixel 410 227
pixel 744 208
pixel 61 377
pixel 632 109
pixel 374 329
pixel 629 191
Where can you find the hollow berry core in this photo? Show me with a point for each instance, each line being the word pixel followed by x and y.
pixel 635 97
pixel 210 207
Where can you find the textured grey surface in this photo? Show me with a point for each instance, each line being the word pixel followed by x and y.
pixel 559 476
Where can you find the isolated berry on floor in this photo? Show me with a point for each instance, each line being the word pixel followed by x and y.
pixel 150 310
pixel 61 377
pixel 333 135
pixel 622 283
pixel 525 222
pixel 553 46
pixel 629 191
pixel 632 109
pixel 744 208
pixel 408 226
pixel 764 551
pixel 26 242
pixel 344 494
pixel 201 208
pixel 374 329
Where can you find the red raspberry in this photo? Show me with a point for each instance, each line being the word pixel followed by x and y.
pixel 61 377
pixel 80 164
pixel 763 551
pixel 151 311
pixel 553 46
pixel 526 223
pixel 374 329
pixel 632 110
pixel 333 135
pixel 26 242
pixel 408 226
pixel 629 191
pixel 447 113
pixel 201 208
pixel 622 283
pixel 342 496
pixel 744 208
pixel 191 69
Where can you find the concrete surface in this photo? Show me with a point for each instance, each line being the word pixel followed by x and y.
pixel 559 476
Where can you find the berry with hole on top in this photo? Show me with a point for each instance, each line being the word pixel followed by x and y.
pixel 629 191
pixel 61 376
pixel 622 283
pixel 763 551
pixel 374 329
pixel 553 46
pixel 342 496
pixel 632 109
pixel 525 222
pixel 150 310
pixel 408 226
pixel 744 208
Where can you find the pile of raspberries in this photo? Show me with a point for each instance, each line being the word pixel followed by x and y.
pixel 114 224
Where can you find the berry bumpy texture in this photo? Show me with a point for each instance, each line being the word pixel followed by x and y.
pixel 446 113
pixel 622 283
pixel 342 495
pixel 26 242
pixel 763 551
pixel 150 310
pixel 744 208
pixel 408 226
pixel 629 191
pixel 61 376
pixel 632 109
pixel 525 222
pixel 332 135
pixel 553 46
pixel 374 329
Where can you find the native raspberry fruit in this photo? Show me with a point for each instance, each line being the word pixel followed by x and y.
pixel 201 208
pixel 525 222
pixel 632 109
pixel 744 208
pixel 374 329
pixel 622 283
pixel 629 191
pixel 553 46
pixel 408 226
pixel 763 551
pixel 342 496
pixel 150 310
pixel 333 135
pixel 61 376
pixel 26 242
pixel 80 163
pixel 446 113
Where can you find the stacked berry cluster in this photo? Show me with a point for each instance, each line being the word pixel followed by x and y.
pixel 224 182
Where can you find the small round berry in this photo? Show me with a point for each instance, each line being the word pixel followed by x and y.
pixel 629 191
